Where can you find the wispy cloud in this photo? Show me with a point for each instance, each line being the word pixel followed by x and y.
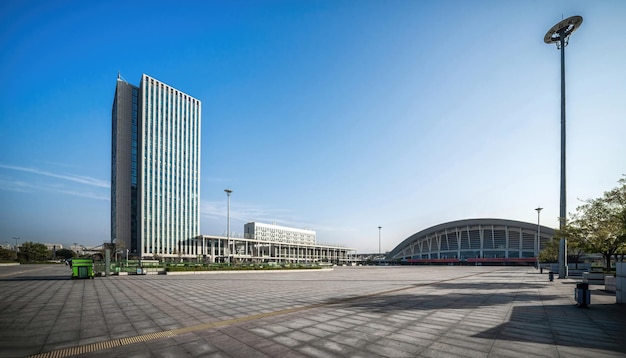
pixel 242 211
pixel 16 185
pixel 74 178
pixel 24 187
pixel 85 194
pixel 247 212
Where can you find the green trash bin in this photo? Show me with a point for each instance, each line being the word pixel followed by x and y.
pixel 82 268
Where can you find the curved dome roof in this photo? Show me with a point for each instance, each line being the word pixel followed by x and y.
pixel 452 225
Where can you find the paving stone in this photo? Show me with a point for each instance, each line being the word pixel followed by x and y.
pixel 386 351
pixel 286 341
pixel 317 331
pixel 516 348
pixel 316 352
pixel 333 347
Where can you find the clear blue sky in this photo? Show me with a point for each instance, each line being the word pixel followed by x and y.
pixel 340 116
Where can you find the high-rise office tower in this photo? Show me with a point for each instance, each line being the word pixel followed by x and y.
pixel 155 169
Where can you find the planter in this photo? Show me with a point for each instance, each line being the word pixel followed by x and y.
pixel 593 278
pixel 620 283
pixel 609 283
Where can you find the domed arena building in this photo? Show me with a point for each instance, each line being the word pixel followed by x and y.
pixel 474 241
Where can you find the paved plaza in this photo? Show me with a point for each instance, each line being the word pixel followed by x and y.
pixel 428 311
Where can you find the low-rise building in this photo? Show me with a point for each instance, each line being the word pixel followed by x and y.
pixel 276 233
pixel 270 243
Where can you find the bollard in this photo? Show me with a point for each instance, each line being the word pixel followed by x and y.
pixel 541 270
pixel 582 295
pixel 551 276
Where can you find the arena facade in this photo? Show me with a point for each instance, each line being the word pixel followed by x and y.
pixel 476 241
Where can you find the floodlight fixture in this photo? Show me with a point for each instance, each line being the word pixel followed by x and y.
pixel 561 32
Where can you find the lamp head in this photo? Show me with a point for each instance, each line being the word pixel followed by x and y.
pixel 561 32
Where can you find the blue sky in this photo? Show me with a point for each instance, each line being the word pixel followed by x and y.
pixel 340 116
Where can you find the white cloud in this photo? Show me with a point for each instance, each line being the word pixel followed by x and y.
pixel 57 187
pixel 16 185
pixel 247 212
pixel 85 194
pixel 75 178
pixel 241 211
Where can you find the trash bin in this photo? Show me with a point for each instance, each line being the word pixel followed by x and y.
pixel 582 295
pixel 82 268
pixel 551 276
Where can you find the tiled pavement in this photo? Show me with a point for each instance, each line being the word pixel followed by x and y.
pixel 436 311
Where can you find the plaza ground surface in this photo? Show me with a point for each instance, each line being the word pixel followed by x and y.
pixel 427 311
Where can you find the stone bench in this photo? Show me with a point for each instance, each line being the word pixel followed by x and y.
pixel 593 278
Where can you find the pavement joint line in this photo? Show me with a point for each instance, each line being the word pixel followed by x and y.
pixel 21 272
pixel 114 343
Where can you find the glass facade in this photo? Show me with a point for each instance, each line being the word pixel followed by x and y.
pixel 171 169
pixel 158 130
pixel 114 140
pixel 134 201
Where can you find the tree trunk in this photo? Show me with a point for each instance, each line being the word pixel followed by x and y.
pixel 608 261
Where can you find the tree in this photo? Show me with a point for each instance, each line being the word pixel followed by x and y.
pixel 575 242
pixel 65 253
pixel 7 254
pixel 30 251
pixel 599 226
pixel 550 252
pixel 618 197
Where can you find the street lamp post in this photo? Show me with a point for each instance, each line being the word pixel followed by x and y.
pixel 538 234
pixel 16 238
pixel 559 34
pixel 228 191
pixel 379 251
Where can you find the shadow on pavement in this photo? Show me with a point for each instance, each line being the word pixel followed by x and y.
pixel 486 286
pixel 598 327
pixel 37 278
pixel 386 303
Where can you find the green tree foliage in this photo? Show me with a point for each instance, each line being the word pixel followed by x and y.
pixel 599 226
pixel 31 252
pixel 7 254
pixel 618 197
pixel 576 246
pixel 550 252
pixel 65 253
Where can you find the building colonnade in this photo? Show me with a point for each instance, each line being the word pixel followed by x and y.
pixel 222 249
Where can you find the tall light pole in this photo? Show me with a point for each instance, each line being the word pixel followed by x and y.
pixel 228 191
pixel 538 234
pixel 559 34
pixel 379 252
